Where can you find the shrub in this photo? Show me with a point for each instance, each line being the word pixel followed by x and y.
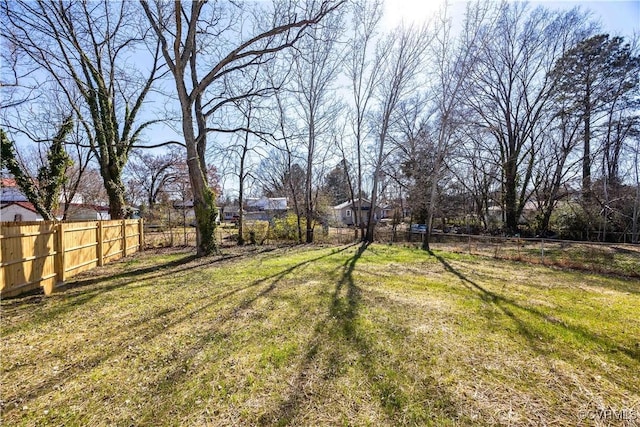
pixel 286 228
pixel 255 232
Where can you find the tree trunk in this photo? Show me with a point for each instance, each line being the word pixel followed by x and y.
pixel 241 204
pixel 635 233
pixel 241 176
pixel 204 207
pixel 203 198
pixel 115 193
pixel 510 198
pixel 586 159
pixel 308 181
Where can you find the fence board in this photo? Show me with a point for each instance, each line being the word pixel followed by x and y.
pixel 27 255
pixel 80 247
pixel 112 240
pixel 41 254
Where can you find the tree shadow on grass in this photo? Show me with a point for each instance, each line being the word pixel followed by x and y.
pixel 82 290
pixel 343 324
pixel 290 407
pixel 93 282
pixel 507 306
pixel 150 327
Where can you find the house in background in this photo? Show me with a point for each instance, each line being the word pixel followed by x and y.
pixel 18 211
pixel 394 211
pixel 87 212
pixel 345 213
pixel 230 213
pixel 265 208
pixel 14 206
pixel 187 212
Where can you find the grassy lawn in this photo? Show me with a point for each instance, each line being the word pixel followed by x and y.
pixel 382 335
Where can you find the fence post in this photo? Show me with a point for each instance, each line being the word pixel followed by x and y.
pixel 100 237
pixel 60 267
pixel 124 238
pixel 140 234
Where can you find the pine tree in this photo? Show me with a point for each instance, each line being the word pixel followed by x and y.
pixel 588 77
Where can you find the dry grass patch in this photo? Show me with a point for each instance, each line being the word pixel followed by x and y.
pixel 349 335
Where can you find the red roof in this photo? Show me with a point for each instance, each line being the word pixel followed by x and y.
pixel 88 206
pixel 8 182
pixel 27 205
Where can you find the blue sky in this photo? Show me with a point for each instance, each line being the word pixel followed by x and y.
pixel 618 17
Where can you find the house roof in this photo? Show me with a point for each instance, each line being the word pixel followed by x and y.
pixel 349 203
pixel 87 206
pixel 231 209
pixel 268 203
pixel 187 204
pixel 26 205
pixel 8 182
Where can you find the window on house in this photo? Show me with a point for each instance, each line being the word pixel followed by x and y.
pixel 17 217
pixel 348 213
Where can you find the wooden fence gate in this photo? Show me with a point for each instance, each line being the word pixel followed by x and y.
pixel 45 253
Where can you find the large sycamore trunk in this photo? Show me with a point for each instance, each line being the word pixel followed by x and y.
pixel 204 201
pixel 116 204
pixel 115 192
pixel 204 205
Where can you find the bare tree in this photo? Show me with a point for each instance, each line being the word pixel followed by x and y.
pixel 244 149
pixel 635 230
pixel 281 173
pixel 82 159
pixel 205 43
pixel 402 56
pixel 364 72
pixel 554 167
pixel 510 92
pixel 453 62
pixel 560 131
pixel 316 66
pixel 86 49
pixel 152 173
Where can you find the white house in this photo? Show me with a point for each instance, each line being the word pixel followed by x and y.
pixel 230 213
pixel 14 206
pixel 345 213
pixel 18 211
pixel 84 212
pixel 266 204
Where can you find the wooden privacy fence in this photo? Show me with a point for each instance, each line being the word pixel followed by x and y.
pixel 45 253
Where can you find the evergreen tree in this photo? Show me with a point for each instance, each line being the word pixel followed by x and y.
pixel 336 184
pixel 588 78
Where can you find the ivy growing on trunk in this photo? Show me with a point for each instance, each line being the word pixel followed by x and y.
pixel 44 191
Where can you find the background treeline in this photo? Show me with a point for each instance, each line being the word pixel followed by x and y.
pixel 497 117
